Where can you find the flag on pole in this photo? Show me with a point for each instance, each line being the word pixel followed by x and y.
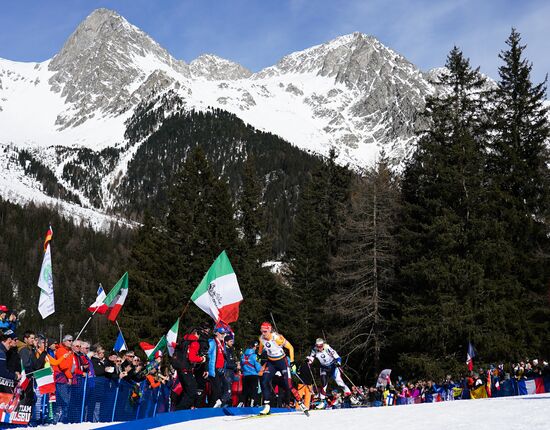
pixel 23 380
pixel 116 297
pixel 49 235
pixel 44 380
pixel 172 338
pixel 218 294
pixel 120 344
pixel 147 348
pixel 470 356
pixel 384 378
pixel 98 306
pixel 151 350
pixel 46 305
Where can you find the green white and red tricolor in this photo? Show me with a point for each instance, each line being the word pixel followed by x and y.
pixel 219 294
pixel 116 297
pixel 44 380
pixel 150 350
pixel 172 338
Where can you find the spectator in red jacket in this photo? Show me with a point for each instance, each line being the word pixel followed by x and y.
pixel 186 358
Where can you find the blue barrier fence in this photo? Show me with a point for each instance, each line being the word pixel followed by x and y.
pixel 100 400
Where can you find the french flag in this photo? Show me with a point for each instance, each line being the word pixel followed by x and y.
pixel 98 306
pixel 470 356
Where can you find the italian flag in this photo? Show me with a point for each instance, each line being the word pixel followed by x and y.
pixel 23 380
pixel 116 297
pixel 172 338
pixel 151 350
pixel 218 294
pixel 44 380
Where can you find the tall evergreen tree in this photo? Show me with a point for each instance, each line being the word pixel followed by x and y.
pixel 442 283
pixel 314 241
pixel 171 256
pixel 520 194
pixel 257 283
pixel 149 287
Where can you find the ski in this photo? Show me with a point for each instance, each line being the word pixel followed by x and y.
pixel 249 417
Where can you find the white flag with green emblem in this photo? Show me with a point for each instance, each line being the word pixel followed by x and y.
pixel 46 305
pixel 219 294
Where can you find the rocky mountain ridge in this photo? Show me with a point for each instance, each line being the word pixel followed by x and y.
pixel 351 93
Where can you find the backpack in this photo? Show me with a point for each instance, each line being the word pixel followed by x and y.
pixel 181 362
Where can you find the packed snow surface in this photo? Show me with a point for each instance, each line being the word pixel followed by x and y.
pixel 510 413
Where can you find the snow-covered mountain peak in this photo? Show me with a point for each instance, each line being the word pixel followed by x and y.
pixel 346 58
pixel 102 33
pixel 214 68
pixel 108 65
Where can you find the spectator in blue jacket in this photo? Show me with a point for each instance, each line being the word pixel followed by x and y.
pixel 4 322
pixel 251 368
pixel 8 319
pixel 216 367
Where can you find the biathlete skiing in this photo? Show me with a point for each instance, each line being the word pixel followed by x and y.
pixel 274 345
pixel 330 363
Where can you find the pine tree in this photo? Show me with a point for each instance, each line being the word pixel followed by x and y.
pixel 199 226
pixel 314 241
pixel 520 196
pixel 257 284
pixel 441 280
pixel 149 287
pixel 364 267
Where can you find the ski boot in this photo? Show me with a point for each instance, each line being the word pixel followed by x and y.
pixel 266 410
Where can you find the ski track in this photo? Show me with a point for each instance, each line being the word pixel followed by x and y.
pixel 510 413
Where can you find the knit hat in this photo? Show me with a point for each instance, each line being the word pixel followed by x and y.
pixel 10 334
pixel 229 336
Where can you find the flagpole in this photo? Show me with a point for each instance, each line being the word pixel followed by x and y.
pixel 185 309
pixel 119 329
pixel 87 322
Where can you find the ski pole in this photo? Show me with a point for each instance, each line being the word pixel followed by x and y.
pixel 274 323
pixel 313 378
pixel 347 377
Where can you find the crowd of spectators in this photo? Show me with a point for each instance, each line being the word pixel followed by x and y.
pixel 204 371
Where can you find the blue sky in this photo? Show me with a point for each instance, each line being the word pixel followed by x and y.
pixel 258 33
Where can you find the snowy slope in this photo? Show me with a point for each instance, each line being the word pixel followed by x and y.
pixel 509 413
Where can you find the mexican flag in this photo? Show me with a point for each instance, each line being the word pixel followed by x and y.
pixel 172 338
pixel 218 294
pixel 151 350
pixel 44 380
pixel 116 297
